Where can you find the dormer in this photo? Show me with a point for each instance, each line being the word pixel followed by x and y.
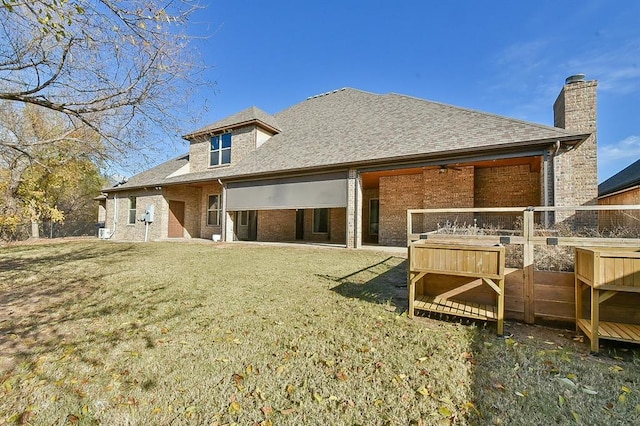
pixel 226 142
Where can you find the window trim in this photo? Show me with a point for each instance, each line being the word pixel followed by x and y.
pixel 218 210
pixel 313 221
pixel 220 149
pixel 133 204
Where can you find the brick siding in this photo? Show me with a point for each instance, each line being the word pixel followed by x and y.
pixel 575 171
pixel 277 225
pixel 243 141
pixel 397 194
pixel 510 186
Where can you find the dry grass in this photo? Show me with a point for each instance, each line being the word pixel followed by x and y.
pixel 170 333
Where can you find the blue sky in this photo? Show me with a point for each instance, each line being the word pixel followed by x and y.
pixel 504 57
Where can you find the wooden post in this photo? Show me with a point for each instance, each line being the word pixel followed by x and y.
pixel 595 303
pixel 410 283
pixel 500 326
pixel 409 227
pixel 528 267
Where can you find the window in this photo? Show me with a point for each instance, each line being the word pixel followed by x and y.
pixel 220 150
pixel 320 221
pixel 374 216
pixel 244 218
pixel 213 211
pixel 132 210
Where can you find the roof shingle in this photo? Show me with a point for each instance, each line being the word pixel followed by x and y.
pixel 350 126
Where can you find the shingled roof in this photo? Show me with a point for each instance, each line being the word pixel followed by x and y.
pixel 249 115
pixel 626 178
pixel 351 127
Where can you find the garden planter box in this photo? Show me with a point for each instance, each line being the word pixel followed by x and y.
pixel 605 272
pixel 468 266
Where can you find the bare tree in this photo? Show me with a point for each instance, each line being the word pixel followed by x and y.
pixel 119 69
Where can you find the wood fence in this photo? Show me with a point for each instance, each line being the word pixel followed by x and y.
pixel 535 295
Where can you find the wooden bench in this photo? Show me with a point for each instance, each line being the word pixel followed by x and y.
pixel 483 263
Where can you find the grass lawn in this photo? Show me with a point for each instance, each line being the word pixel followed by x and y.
pixel 197 333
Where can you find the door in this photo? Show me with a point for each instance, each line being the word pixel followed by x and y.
pixel 176 219
pixel 374 219
pixel 253 225
pixel 300 224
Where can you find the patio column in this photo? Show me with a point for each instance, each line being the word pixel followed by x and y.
pixel 354 209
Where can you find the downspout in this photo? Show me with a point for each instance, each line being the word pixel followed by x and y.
pixel 545 186
pixel 115 215
pixel 223 222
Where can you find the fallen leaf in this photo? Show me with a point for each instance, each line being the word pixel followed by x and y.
pixel 616 368
pixel 340 375
pixel 288 411
pixel 235 408
pixel 567 382
pixel 190 411
pixel 445 411
pixel 622 399
pixel 498 385
pixel 317 397
pixel 589 390
pixel 576 417
pixel 238 379
pixel 625 389
pixel 423 391
pixel 520 394
pixel 73 419
pixel 290 389
pixel 561 400
pixel 267 410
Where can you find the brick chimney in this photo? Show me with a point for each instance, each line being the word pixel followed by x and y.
pixel 576 170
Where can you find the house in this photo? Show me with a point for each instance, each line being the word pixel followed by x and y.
pixel 621 188
pixel 343 167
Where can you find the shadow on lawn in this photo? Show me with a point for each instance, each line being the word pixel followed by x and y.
pixel 382 282
pixel 40 311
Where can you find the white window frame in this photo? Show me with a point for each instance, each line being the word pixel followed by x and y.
pixel 210 210
pixel 133 202
pixel 313 224
pixel 221 150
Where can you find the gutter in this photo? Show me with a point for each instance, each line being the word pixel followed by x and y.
pixel 511 150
